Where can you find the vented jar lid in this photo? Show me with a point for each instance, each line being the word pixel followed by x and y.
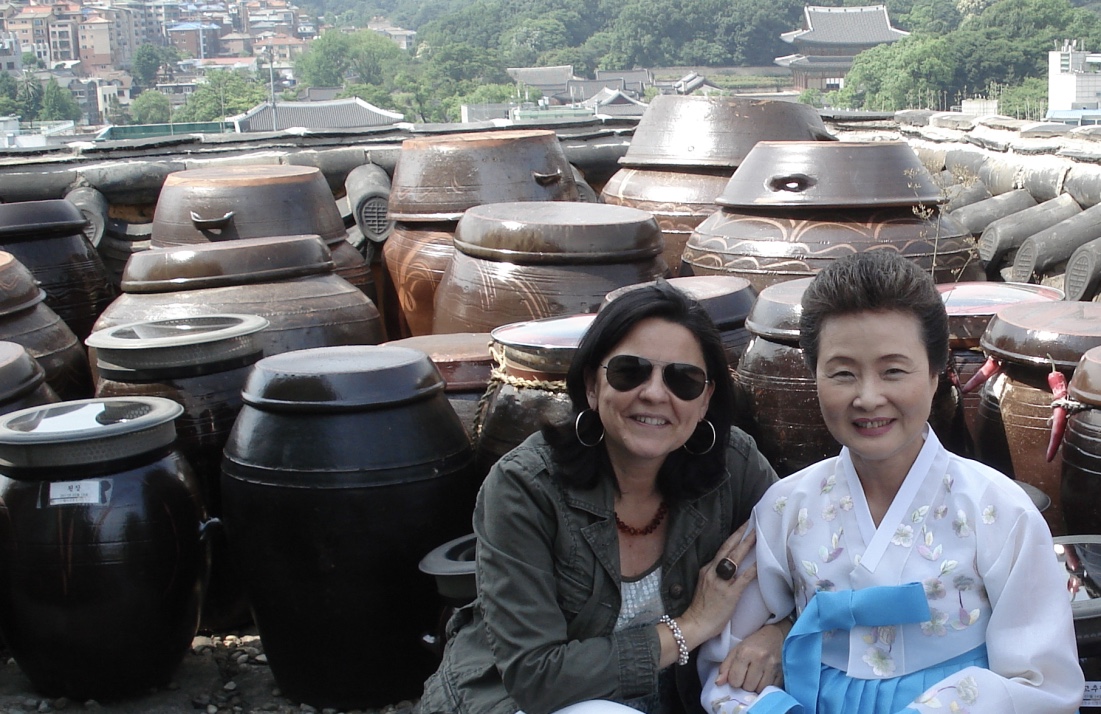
pixel 178 342
pixel 86 431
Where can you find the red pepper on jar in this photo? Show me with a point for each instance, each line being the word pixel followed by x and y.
pixel 989 368
pixel 1057 381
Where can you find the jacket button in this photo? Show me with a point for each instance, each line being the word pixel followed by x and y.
pixel 677 590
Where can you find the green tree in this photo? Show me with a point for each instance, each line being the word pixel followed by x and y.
pixel 31 61
pixel 58 104
pixel 151 107
pixel 931 17
pixel 366 56
pixel 145 65
pixel 223 94
pixel 29 96
pixel 484 94
pixel 1028 100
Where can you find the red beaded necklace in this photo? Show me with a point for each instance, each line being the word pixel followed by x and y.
pixel 650 528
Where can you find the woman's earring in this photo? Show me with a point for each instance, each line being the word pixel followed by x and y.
pixel 577 427
pixel 714 438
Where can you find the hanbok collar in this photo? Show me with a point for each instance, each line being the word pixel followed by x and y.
pixel 878 539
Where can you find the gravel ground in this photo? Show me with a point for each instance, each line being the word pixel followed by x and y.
pixel 223 674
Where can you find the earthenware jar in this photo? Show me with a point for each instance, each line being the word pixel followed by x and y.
pixel 27 320
pixel 791 208
pixel 1013 425
pixel 101 562
pixel 256 201
pixel 727 300
pixel 1081 483
pixel 1081 557
pixel 684 150
pixel 22 380
pixel 287 280
pixel 776 385
pixel 48 238
pixel 437 178
pixel 331 495
pixel 971 306
pixel 515 262
pixel 528 385
pixel 464 362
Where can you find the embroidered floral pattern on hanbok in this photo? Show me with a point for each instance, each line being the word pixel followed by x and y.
pixel 934 588
pixel 881 662
pixel 964 693
pixel 940 512
pixel 779 505
pixel 846 503
pixel 803 523
pixel 919 515
pixel 961 525
pixel 926 548
pixel 830 554
pixel 935 627
pixel 989 515
pixel 904 536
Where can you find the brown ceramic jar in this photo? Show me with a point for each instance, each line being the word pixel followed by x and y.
pixel 1030 340
pixel 287 280
pixel 22 380
pixel 1080 489
pixel 515 262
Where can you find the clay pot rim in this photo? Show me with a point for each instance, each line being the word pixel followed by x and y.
pixel 1007 339
pixel 20 373
pixel 236 341
pixel 239 176
pixel 156 271
pixel 132 436
pixel 40 220
pixel 764 178
pixel 337 379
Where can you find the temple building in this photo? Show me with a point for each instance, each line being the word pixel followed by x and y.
pixel 833 36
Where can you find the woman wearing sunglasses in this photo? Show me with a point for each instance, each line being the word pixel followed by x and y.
pixel 600 540
pixel 922 581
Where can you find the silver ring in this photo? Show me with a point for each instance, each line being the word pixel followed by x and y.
pixel 726 569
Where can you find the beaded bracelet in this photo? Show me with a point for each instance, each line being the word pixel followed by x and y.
pixel 678 637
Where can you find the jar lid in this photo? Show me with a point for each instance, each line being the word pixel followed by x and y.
pixel 971 305
pixel 437 178
pixel 33 220
pixel 235 262
pixel 1030 333
pixel 86 431
pixel 346 378
pixel 683 130
pixel 462 357
pixel 247 176
pixel 178 342
pixel 537 348
pixel 19 372
pixel 830 173
pixel 1085 384
pixel 20 291
pixel 726 298
pixel 776 313
pixel 556 232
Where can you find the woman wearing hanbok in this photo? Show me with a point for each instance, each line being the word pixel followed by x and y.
pixel 920 581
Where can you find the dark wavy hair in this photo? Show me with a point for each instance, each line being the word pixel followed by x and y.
pixel 875 281
pixel 682 474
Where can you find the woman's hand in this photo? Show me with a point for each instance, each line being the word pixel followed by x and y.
pixel 756 662
pixel 715 597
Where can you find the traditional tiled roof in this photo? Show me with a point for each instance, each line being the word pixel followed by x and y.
pixel 578 90
pixel 867 25
pixel 335 114
pixel 818 63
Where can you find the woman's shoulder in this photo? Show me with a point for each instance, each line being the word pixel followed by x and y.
pixel 985 484
pixel 809 481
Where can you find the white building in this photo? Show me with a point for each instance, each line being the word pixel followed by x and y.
pixel 1073 79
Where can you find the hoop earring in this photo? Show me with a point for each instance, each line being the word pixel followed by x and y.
pixel 714 438
pixel 577 428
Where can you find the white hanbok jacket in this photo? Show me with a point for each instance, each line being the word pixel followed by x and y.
pixel 968 534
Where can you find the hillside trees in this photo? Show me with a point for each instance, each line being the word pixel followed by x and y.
pixel 1004 45
pixel 223 94
pixel 151 107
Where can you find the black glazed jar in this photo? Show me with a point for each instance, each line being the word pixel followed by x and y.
pixel 101 559
pixel 345 466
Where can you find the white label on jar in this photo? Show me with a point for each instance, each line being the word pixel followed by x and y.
pixel 97 492
pixel 1093 694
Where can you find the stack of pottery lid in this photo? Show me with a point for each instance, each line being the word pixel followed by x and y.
pixel 437 178
pixel 793 207
pixel 684 150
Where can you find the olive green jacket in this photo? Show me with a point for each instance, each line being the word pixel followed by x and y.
pixel 540 635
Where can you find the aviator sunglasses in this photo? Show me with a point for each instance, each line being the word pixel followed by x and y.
pixel 685 381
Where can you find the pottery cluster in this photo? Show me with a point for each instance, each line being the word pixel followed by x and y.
pixel 273 426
